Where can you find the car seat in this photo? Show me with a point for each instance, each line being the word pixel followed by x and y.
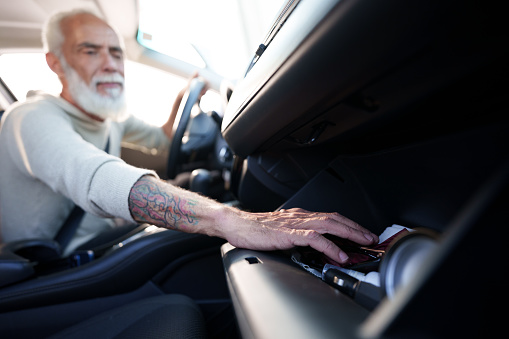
pixel 165 316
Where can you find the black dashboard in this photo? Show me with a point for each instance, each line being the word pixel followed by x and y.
pixel 388 112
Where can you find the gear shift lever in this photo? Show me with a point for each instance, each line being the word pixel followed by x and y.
pixel 201 181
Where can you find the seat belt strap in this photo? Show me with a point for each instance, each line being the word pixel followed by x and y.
pixel 73 221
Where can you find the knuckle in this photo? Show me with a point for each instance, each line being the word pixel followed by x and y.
pixel 335 214
pixel 348 231
pixel 311 234
pixel 325 219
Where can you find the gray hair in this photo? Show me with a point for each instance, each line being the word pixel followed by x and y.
pixel 53 37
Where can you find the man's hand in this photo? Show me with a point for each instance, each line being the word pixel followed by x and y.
pixel 286 229
pixel 159 203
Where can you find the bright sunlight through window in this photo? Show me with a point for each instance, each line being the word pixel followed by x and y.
pixel 224 34
pixel 150 92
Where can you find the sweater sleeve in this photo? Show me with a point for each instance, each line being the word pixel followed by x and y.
pixel 48 148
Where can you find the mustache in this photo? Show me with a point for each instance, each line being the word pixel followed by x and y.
pixel 101 78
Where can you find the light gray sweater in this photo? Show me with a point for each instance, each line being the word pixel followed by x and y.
pixel 51 158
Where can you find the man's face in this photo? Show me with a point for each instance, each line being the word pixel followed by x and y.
pixel 93 64
pixel 92 48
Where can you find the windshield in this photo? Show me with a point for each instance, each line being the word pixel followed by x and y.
pixel 220 35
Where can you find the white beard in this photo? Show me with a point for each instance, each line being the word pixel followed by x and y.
pixel 112 106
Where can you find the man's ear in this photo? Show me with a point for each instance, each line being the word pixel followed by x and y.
pixel 54 63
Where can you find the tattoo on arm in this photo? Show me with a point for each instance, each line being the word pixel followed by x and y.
pixel 149 202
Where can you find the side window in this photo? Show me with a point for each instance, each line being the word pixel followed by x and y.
pixel 6 97
pixel 22 72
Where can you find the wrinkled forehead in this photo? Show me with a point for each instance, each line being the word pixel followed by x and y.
pixel 83 28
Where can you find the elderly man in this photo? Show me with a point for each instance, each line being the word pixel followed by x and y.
pixel 58 152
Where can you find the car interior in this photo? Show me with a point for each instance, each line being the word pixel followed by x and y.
pixel 391 113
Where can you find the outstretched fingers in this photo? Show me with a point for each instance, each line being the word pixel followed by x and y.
pixel 331 223
pixel 285 229
pixel 310 228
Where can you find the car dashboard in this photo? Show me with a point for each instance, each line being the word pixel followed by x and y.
pixel 387 112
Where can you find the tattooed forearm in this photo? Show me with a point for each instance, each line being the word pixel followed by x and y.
pixel 151 203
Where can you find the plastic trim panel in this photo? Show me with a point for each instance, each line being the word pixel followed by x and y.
pixel 273 298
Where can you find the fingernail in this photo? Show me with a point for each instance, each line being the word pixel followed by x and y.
pixel 343 256
pixel 369 237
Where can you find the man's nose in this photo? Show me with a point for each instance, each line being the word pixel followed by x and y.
pixel 110 63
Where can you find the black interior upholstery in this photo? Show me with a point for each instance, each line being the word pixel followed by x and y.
pixel 156 264
pixel 168 316
pixel 389 112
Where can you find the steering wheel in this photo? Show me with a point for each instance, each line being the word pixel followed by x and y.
pixel 191 97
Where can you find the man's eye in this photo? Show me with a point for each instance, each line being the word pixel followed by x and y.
pixel 90 52
pixel 116 54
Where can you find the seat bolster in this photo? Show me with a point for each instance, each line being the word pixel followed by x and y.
pixel 13 268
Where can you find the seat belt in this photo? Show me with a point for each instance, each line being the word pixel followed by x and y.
pixel 73 221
